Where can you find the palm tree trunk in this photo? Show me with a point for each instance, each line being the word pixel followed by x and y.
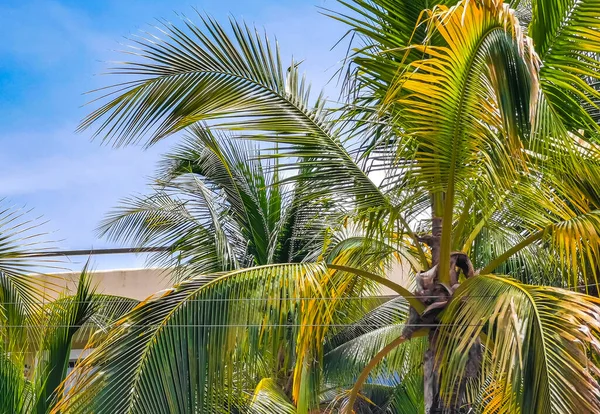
pixel 434 242
pixel 430 378
pixel 433 400
pixel 430 383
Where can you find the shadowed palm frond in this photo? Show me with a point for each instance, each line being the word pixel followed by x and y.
pixel 187 218
pixel 344 363
pixel 15 388
pixel 61 320
pixel 218 206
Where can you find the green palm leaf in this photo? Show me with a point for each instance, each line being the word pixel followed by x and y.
pixel 67 321
pixel 566 36
pixel 537 340
pixel 197 346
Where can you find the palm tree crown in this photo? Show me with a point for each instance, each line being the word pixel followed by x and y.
pixel 482 117
pixel 219 208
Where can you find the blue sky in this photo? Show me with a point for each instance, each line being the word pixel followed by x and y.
pixel 54 51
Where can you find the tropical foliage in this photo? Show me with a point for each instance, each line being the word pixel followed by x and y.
pixel 481 117
pixel 221 210
pixel 218 208
pixel 39 323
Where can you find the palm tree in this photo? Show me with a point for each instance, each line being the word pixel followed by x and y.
pixel 218 208
pixel 38 323
pixel 485 128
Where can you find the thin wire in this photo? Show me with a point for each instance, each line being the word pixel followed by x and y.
pixel 248 325
pixel 583 286
pixel 125 299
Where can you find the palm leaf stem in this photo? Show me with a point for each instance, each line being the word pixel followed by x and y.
pixel 405 293
pixel 367 370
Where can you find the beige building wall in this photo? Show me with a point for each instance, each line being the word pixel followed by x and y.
pixel 132 283
pixel 399 273
pixel 141 283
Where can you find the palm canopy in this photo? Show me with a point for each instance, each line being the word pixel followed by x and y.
pixel 485 122
pixel 505 140
pixel 219 207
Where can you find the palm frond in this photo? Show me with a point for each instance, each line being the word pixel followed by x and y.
pixel 232 168
pixel 107 310
pixel 566 35
pixel 220 343
pixel 21 289
pixel 187 218
pixel 62 319
pixel 344 363
pixel 269 398
pixel 15 389
pixel 444 102
pixel 200 73
pixel 391 312
pixel 219 207
pixel 538 340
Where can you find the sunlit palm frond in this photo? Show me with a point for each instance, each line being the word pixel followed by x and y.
pixel 493 397
pixel 201 73
pixel 269 398
pixel 566 35
pixel 219 331
pixel 564 229
pixel 381 29
pixel 444 102
pixel 537 340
